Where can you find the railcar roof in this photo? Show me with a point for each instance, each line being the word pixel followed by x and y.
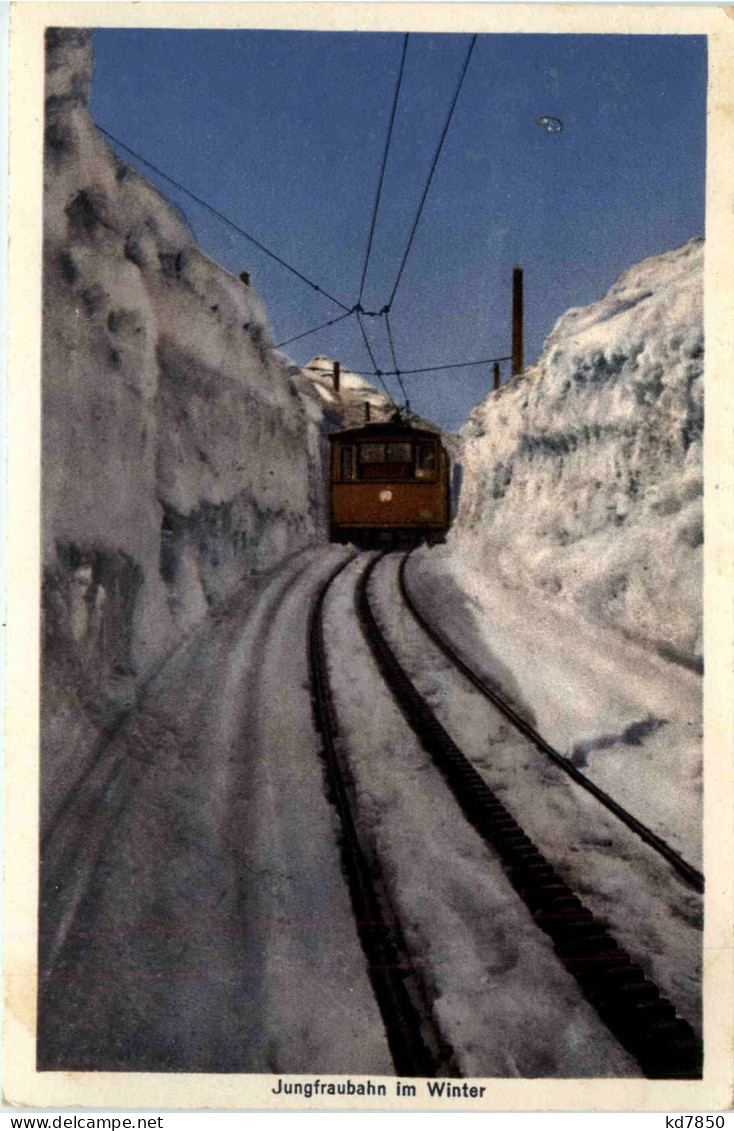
pixel 382 429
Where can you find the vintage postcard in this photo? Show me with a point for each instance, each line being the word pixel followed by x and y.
pixel 369 730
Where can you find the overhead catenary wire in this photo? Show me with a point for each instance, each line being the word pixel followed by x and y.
pixel 356 308
pixel 382 169
pixel 395 360
pixel 436 156
pixel 305 334
pixel 377 372
pixel 225 219
pixel 435 368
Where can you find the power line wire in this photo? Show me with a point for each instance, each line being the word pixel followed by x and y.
pixel 382 170
pixel 305 334
pixel 377 372
pixel 435 368
pixel 223 218
pixel 433 169
pixel 394 358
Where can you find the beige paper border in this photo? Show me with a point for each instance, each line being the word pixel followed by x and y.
pixel 22 1084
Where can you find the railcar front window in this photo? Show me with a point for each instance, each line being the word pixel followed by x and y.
pixel 371 453
pixel 346 461
pixel 399 453
pixel 425 461
pixel 386 461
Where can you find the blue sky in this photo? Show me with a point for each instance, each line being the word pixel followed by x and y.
pixel 284 132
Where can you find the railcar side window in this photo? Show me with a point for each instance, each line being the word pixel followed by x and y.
pixel 346 461
pixel 425 461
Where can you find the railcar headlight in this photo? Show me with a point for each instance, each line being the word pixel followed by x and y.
pixel 385 496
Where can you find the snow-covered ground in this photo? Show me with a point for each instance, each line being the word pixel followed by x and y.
pixel 574 567
pixel 582 478
pixel 652 913
pixel 212 928
pixel 501 998
pixel 630 719
pixel 179 455
pixel 202 922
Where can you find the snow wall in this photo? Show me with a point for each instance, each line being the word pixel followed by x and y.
pixel 582 477
pixel 179 454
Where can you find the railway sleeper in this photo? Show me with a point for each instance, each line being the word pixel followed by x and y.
pixel 642 990
pixel 491 799
pixel 672 1032
pixel 501 822
pixel 511 838
pixel 545 896
pixel 681 1056
pixel 530 874
pixel 669 1044
pixel 648 1012
pixel 639 1030
pixel 597 963
pixel 573 910
pixel 633 1021
pixel 634 995
pixel 517 854
pixel 575 943
pixel 584 929
pixel 553 917
pixel 560 914
pixel 620 976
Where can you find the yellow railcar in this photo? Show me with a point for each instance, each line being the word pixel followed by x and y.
pixel 389 485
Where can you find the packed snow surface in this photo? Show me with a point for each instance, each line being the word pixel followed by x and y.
pixel 582 477
pixel 649 909
pixel 180 456
pixel 208 876
pixel 629 719
pixel 499 994
pixel 574 567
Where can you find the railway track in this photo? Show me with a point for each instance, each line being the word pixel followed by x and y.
pixel 628 1002
pixel 415 1042
pixel 686 871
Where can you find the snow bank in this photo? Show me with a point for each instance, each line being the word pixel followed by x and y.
pixel 179 455
pixel 582 478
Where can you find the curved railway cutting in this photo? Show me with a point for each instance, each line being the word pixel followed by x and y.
pixel 277 896
pixel 629 1003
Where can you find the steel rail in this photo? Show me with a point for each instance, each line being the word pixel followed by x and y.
pixel 416 1046
pixel 628 1003
pixel 686 871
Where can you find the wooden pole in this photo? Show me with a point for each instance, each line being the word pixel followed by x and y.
pixel 367 410
pixel 337 375
pixel 496 375
pixel 517 318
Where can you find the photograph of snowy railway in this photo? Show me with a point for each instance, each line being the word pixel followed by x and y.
pixel 371 702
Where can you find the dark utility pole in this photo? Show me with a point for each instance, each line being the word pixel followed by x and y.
pixel 367 410
pixel 517 345
pixel 337 375
pixel 496 375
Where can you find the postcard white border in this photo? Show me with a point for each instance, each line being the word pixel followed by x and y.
pixel 22 1084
